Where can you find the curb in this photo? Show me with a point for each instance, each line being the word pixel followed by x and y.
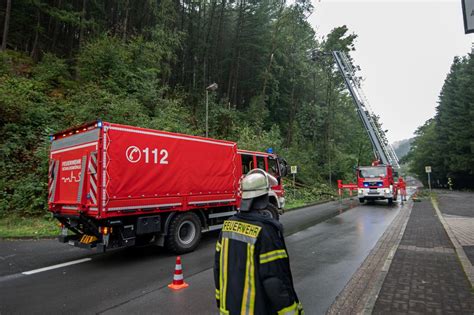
pixel 465 262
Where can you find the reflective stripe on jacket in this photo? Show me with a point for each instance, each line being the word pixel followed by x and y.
pixel 252 270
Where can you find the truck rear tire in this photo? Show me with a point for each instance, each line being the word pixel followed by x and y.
pixel 271 211
pixel 361 200
pixel 390 201
pixel 184 233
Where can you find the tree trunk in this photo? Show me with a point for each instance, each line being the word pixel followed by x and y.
pixel 267 74
pixel 34 50
pixel 55 30
pixel 206 56
pixel 216 56
pixel 291 118
pixel 233 73
pixel 272 52
pixel 83 17
pixel 6 25
pixel 125 22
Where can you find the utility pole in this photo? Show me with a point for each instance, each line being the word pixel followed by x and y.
pixel 211 87
pixel 428 171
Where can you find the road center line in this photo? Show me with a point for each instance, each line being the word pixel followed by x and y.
pixel 69 263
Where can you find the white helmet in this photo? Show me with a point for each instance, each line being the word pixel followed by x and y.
pixel 256 183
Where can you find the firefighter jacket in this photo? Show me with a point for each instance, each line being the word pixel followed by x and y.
pixel 252 270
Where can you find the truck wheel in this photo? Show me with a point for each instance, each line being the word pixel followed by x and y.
pixel 361 200
pixel 184 233
pixel 271 211
pixel 390 201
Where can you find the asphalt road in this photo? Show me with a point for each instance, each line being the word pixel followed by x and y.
pixel 323 258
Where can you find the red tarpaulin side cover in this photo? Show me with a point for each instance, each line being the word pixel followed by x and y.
pixel 145 163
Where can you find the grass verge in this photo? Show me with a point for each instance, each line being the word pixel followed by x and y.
pixel 28 227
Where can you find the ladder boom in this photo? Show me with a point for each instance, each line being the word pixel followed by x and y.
pixel 383 150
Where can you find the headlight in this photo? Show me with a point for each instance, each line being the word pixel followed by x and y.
pixel 361 191
pixel 387 191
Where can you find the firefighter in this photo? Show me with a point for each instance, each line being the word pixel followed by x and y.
pixel 252 269
pixel 450 183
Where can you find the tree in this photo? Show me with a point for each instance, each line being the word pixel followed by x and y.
pixel 6 24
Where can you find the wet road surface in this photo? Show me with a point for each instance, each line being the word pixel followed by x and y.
pixel 323 258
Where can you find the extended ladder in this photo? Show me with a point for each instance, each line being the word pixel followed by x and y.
pixel 382 149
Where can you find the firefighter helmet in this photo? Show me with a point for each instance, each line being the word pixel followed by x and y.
pixel 255 184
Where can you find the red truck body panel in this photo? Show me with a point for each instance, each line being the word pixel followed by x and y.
pixel 106 170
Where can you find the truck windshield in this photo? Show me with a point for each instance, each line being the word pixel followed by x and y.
pixel 371 172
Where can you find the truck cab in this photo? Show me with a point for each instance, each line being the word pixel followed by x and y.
pixel 376 182
pixel 274 165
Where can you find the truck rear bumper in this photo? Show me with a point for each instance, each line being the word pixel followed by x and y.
pixel 74 240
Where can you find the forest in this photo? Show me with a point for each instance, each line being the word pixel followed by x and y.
pixel 446 142
pixel 148 63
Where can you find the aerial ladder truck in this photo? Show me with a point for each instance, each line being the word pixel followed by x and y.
pixel 377 181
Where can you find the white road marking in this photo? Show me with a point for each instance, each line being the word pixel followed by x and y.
pixel 69 263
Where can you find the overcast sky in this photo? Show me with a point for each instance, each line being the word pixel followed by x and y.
pixel 405 50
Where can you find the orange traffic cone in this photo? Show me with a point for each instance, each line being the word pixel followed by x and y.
pixel 178 279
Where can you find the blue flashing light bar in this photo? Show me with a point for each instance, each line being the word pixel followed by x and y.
pixel 270 150
pixel 99 123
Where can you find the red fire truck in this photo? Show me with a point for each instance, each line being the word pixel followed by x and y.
pixel 113 185
pixel 376 181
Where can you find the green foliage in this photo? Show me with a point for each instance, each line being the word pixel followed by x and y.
pixel 92 103
pixel 52 72
pixel 171 116
pixel 250 140
pixel 106 61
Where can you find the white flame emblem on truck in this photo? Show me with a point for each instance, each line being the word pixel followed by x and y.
pixel 133 154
